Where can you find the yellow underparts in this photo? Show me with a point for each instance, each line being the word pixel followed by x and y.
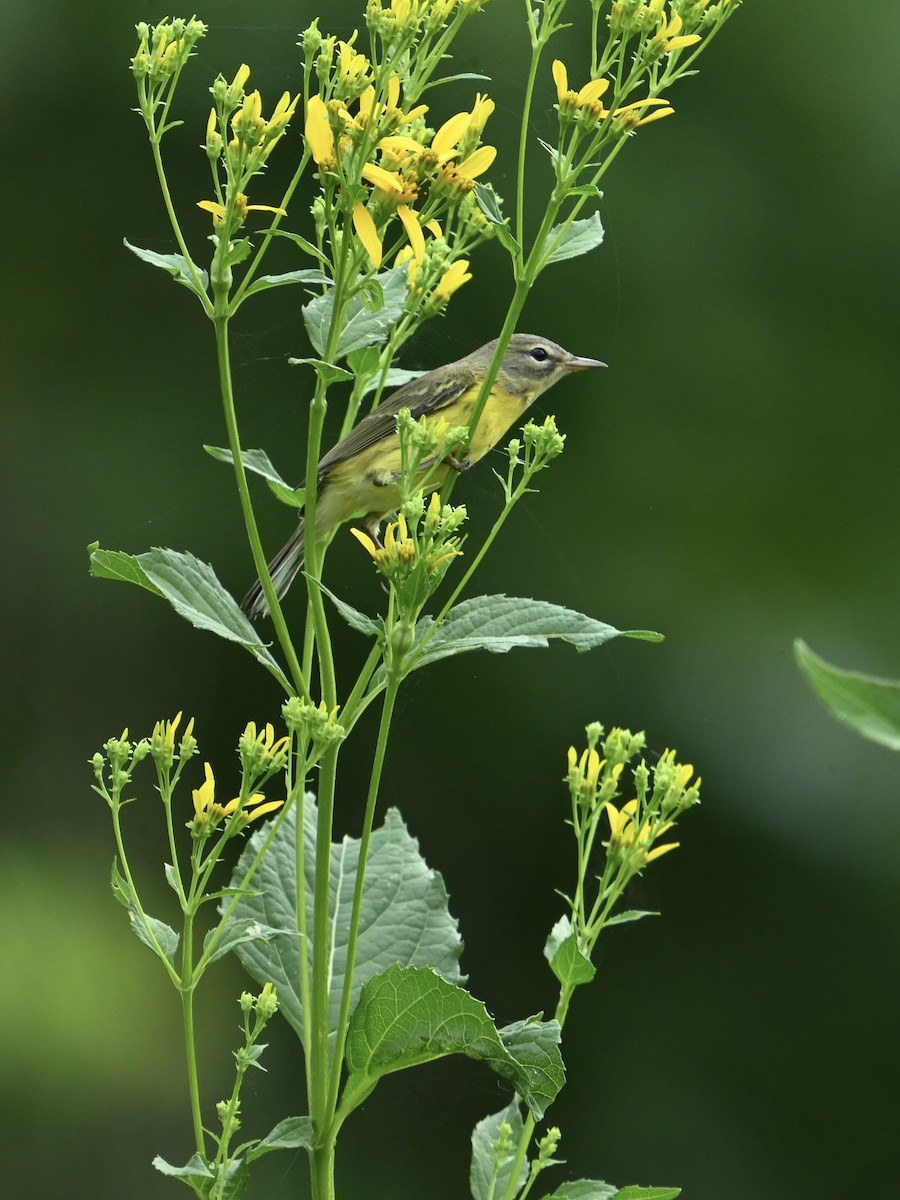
pixel 366 483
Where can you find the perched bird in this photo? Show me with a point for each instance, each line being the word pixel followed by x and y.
pixel 358 477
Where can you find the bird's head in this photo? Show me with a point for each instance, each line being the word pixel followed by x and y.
pixel 532 364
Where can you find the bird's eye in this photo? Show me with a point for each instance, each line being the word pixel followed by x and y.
pixel 539 354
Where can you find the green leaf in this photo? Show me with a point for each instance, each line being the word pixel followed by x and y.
pixel 120 886
pixel 114 564
pixel 567 962
pixel 647 1193
pixel 258 463
pixel 236 932
pixel 194 1169
pixel 287 277
pixel 633 914
pixel 579 238
pixel 866 703
pixel 484 1139
pixel 363 325
pixel 177 266
pixel 410 1015
pixel 293 1133
pixel 500 623
pixel 534 1044
pixel 166 939
pixel 404 918
pixel 489 203
pixel 306 246
pixel 370 626
pixel 395 377
pixel 584 1189
pixel 329 372
pixel 193 590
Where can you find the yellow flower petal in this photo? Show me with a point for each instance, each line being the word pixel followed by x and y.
pixel 367 233
pixel 560 78
pixel 382 179
pixel 210 206
pixel 449 133
pixel 365 541
pixel 318 131
pixel 413 231
pixel 476 164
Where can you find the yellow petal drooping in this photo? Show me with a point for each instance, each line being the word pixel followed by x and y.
pixel 367 233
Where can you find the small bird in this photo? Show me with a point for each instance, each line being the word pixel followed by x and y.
pixel 359 475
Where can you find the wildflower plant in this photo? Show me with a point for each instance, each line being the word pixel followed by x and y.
pixel 402 203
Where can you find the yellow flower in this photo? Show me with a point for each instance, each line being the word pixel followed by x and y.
pixel 451 281
pixel 667 39
pixel 629 116
pixel 586 99
pixel 385 181
pixel 367 233
pixel 208 814
pixel 624 837
pixel 476 164
pixel 241 208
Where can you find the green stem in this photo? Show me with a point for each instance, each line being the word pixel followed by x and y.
pixel 176 228
pixel 220 323
pixel 190 1049
pixel 384 729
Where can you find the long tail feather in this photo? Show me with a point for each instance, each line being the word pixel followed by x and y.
pixel 283 567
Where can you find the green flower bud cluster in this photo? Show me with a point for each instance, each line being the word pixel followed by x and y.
pixel 115 764
pixel 162 742
pixel 163 50
pixel 261 754
pixel 315 726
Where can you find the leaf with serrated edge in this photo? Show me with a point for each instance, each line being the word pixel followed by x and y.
pixel 579 238
pixel 866 703
pixel 647 1193
pixel 567 962
pixel 118 566
pixel 166 939
pixel 195 1167
pixel 500 623
pixel 193 590
pixel 293 1133
pixel 484 1139
pixel 177 266
pixel 410 1015
pixel 404 915
pixel 363 326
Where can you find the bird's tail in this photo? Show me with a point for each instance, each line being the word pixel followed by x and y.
pixel 283 567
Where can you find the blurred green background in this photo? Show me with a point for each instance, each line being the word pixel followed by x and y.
pixel 731 481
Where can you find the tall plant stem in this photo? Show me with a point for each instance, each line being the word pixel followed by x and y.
pixel 187 1008
pixel 256 549
pixel 384 730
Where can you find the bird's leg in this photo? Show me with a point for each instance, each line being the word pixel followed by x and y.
pixel 458 464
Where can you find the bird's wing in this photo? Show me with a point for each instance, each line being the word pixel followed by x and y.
pixel 421 396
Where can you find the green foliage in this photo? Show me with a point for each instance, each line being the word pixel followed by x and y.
pixel 404 917
pixel 493 1165
pixel 867 704
pixel 410 1015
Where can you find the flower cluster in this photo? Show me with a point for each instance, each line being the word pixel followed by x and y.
pixel 416 554
pixel 208 813
pixel 261 753
pixel 585 106
pixel 245 153
pixel 315 725
pixel 635 827
pixel 377 158
pixel 163 50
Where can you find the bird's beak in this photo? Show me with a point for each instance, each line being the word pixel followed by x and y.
pixel 574 363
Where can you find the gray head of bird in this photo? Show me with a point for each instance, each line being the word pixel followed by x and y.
pixel 532 363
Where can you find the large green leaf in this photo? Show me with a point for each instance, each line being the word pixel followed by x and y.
pixel 500 623
pixel 410 1015
pixel 483 1184
pixel 193 590
pixel 404 918
pixel 579 238
pixel 367 318
pixel 866 703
